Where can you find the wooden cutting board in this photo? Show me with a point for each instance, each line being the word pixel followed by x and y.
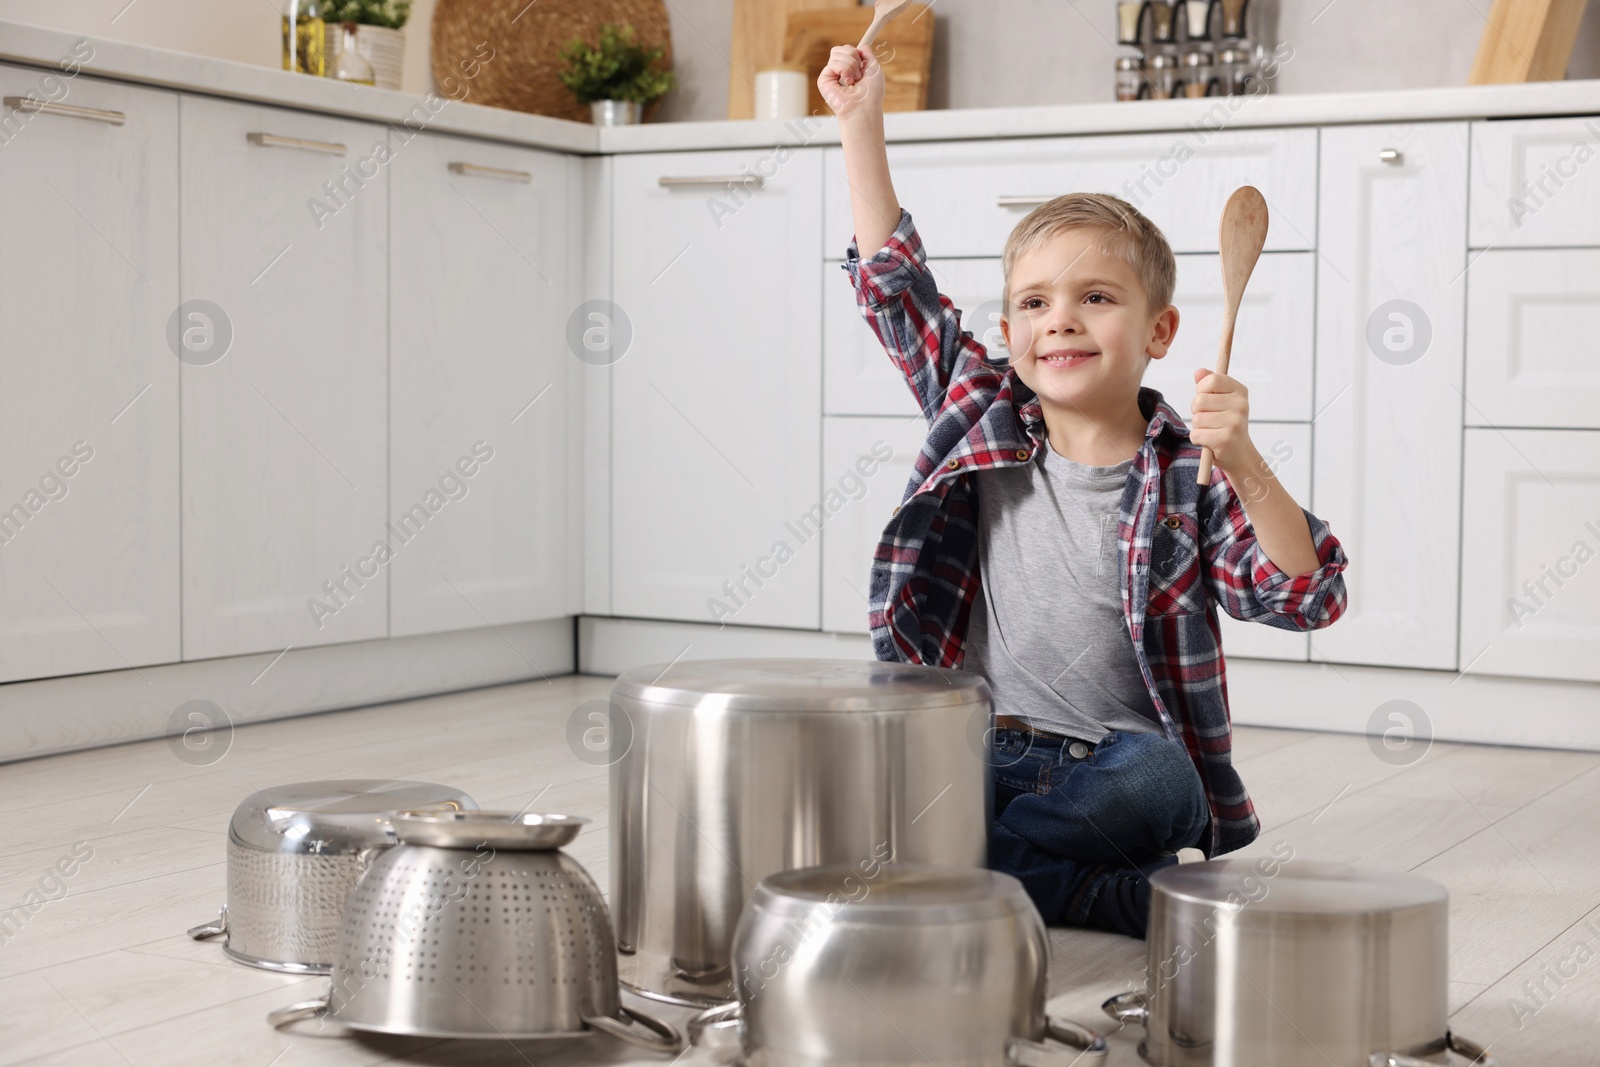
pixel 1527 40
pixel 758 33
pixel 904 48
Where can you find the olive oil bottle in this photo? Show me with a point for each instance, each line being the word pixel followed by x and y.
pixel 304 44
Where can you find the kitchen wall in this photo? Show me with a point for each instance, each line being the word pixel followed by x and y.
pixel 989 53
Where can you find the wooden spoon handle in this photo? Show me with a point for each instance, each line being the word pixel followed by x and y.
pixel 1203 477
pixel 884 13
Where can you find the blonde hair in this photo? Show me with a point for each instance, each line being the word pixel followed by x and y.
pixel 1125 234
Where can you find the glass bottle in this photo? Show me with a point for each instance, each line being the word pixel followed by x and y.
pixel 1235 72
pixel 1197 78
pixel 1163 75
pixel 303 37
pixel 1130 77
pixel 348 63
pixel 1163 22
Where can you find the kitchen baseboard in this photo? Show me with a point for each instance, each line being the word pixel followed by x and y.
pixel 38 718
pixel 1483 709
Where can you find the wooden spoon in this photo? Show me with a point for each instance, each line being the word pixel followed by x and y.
pixel 883 11
pixel 1242 235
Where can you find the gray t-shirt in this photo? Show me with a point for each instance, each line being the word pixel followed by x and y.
pixel 1047 627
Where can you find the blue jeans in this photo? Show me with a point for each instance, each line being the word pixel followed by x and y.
pixel 1083 834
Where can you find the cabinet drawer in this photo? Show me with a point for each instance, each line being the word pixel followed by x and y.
pixel 957 192
pixel 1287 447
pixel 881 453
pixel 1530 351
pixel 1272 342
pixel 1532 183
pixel 859 378
pixel 1530 576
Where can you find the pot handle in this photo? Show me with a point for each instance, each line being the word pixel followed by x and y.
pixel 1455 1042
pixel 639 1029
pixel 1129 1007
pixel 720 1027
pixel 215 928
pixel 1089 1047
pixel 305 1009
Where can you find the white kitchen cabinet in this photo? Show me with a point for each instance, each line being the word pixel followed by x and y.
pixel 480 290
pixel 869 461
pixel 285 435
pixel 1530 567
pixel 1273 339
pixel 966 197
pixel 89 412
pixel 1286 446
pixel 859 378
pixel 717 403
pixel 1387 462
pixel 1534 182
pixel 1530 338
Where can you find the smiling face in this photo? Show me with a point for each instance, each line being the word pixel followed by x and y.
pixel 1079 327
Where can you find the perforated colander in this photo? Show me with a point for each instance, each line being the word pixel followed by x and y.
pixel 486 930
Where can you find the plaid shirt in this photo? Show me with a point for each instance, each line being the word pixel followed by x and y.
pixel 1181 550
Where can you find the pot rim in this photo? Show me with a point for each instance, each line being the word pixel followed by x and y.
pixel 800 685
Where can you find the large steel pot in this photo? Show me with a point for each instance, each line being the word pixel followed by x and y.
pixel 294 854
pixel 902 965
pixel 738 769
pixel 1282 962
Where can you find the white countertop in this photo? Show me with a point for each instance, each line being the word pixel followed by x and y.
pixel 39 46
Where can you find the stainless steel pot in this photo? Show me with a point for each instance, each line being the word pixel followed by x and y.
pixel 886 965
pixel 1281 962
pixel 294 854
pixel 738 769
pixel 476 925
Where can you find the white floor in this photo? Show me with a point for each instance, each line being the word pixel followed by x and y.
pixel 105 976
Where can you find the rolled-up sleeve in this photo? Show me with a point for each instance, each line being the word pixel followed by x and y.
pixel 1249 586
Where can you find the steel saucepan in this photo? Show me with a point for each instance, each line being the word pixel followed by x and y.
pixel 1294 963
pixel 294 854
pixel 740 768
pixel 881 965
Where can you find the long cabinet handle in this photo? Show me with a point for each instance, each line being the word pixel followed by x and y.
pixel 750 181
pixel 71 111
pixel 1022 201
pixel 272 140
pixel 492 172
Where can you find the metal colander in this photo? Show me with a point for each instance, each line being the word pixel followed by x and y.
pixel 484 930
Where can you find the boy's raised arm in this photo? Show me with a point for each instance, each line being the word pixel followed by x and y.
pixel 852 85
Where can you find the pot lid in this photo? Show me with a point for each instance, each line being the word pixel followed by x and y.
pixel 877 893
pixel 337 815
pixel 1297 887
pixel 808 685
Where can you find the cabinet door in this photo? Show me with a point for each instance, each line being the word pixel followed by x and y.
pixel 859 378
pixel 1530 338
pixel 285 433
pixel 479 392
pixel 1272 341
pixel 1530 577
pixel 870 461
pixel 1534 183
pixel 89 412
pixel 1387 463
pixel 716 439
pixel 967 197
pixel 1287 447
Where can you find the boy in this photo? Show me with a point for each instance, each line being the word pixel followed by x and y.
pixel 1054 537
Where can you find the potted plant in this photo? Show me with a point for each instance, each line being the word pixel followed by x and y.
pixel 617 79
pixel 370 30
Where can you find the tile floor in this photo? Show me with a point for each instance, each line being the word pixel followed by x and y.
pixel 104 975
